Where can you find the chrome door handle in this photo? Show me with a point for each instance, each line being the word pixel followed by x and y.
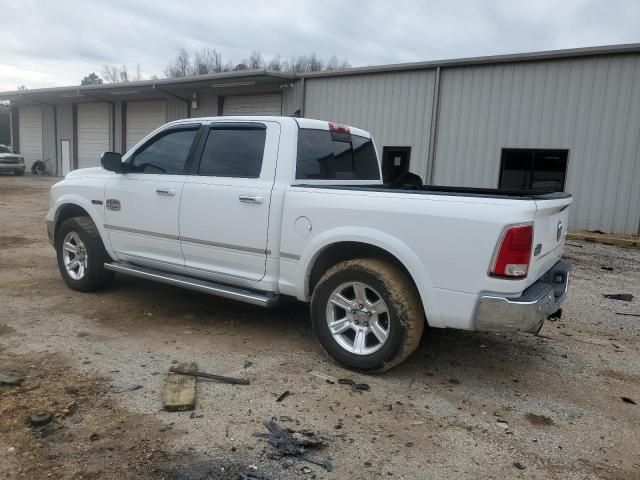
pixel 251 198
pixel 165 191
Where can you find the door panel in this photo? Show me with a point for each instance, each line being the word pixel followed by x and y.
pixel 224 220
pixel 142 206
pixel 30 134
pixel 146 225
pixel 142 118
pixel 269 104
pixel 94 133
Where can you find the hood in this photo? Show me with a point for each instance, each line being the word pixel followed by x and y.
pixel 93 172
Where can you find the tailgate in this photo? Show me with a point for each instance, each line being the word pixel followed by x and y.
pixel 549 234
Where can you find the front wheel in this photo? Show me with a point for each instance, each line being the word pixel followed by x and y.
pixel 367 314
pixel 81 255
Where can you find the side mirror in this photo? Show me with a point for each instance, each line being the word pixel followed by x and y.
pixel 112 161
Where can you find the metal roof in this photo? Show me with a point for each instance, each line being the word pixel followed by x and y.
pixel 507 58
pixel 256 76
pixel 223 79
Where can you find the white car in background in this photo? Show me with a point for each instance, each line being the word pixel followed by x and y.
pixel 10 162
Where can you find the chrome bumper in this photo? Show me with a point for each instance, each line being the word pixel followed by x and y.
pixel 527 312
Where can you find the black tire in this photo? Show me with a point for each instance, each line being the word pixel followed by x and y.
pixel 95 276
pixel 405 320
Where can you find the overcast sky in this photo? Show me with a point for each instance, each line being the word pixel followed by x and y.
pixel 56 43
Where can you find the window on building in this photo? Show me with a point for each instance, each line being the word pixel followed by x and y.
pixel 165 154
pixel 395 162
pixel 233 152
pixel 533 169
pixel 326 156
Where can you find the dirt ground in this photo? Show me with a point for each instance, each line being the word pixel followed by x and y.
pixel 465 405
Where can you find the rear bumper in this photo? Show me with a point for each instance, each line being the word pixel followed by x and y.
pixel 527 312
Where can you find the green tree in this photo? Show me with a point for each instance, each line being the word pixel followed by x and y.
pixel 91 79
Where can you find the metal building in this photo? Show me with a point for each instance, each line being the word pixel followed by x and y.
pixel 566 119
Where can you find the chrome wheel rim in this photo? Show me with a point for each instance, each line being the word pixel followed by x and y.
pixel 74 256
pixel 358 318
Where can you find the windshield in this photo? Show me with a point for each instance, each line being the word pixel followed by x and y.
pixel 5 149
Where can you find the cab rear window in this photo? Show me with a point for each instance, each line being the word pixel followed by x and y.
pixel 324 155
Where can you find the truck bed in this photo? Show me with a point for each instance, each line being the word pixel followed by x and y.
pixel 451 191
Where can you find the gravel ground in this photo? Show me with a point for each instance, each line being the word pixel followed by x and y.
pixel 465 405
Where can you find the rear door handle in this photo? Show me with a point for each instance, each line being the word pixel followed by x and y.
pixel 165 191
pixel 251 198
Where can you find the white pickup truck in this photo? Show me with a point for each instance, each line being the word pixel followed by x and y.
pixel 252 208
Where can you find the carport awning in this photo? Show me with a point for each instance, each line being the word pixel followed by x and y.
pixel 172 86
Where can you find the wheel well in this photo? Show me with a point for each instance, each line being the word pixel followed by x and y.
pixel 342 251
pixel 67 211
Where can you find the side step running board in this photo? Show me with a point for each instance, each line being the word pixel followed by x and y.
pixel 262 299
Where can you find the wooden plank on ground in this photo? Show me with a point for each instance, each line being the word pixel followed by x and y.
pixel 180 390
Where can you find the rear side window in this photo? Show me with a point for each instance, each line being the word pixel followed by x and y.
pixel 326 156
pixel 166 153
pixel 233 152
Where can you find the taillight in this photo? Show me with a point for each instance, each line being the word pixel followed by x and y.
pixel 513 255
pixel 338 128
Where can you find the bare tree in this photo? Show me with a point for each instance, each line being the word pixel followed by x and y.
pixel 111 73
pixel 180 67
pixel 206 61
pixel 255 60
pixel 210 61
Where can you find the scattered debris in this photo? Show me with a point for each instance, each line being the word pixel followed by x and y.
pixel 628 400
pixel 10 380
pixel 210 376
pixel 323 376
pixel 557 315
pixel 247 363
pixel 93 437
pixel 283 395
pixel 628 314
pixel 356 387
pixel 502 424
pixel 519 466
pixel 608 269
pixel 39 419
pixel 574 245
pixel 625 297
pixel 291 443
pixel 180 388
pixel 540 420
pixel 71 390
pixel 196 415
pixel 126 388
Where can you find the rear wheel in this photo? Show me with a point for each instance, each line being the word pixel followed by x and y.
pixel 81 255
pixel 367 314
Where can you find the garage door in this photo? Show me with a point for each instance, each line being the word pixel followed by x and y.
pixel 143 118
pixel 94 133
pixel 270 104
pixel 30 134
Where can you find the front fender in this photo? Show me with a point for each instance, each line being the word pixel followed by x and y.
pixel 95 212
pixel 379 239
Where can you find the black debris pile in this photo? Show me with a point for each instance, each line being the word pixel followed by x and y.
pixel 625 297
pixel 289 442
pixel 355 387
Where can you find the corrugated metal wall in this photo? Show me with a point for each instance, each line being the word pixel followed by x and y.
pixel 590 106
pixel 395 107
